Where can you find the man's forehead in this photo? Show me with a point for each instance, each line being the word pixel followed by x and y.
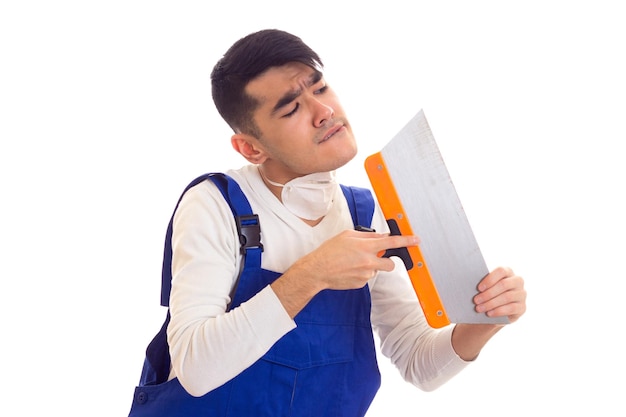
pixel 280 80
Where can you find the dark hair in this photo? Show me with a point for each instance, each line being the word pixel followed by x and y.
pixel 245 60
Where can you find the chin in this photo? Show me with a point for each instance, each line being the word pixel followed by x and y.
pixel 342 160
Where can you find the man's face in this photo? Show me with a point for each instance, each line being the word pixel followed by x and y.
pixel 303 126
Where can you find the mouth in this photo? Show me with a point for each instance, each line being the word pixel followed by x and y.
pixel 340 127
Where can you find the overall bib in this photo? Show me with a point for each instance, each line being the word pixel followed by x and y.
pixel 326 366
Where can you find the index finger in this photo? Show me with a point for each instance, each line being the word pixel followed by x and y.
pixel 385 242
pixel 494 277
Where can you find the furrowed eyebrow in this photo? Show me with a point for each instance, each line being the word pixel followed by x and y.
pixel 286 99
pixel 314 78
pixel 292 95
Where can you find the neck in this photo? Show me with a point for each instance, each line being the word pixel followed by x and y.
pixel 275 189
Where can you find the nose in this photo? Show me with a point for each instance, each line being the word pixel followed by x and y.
pixel 322 113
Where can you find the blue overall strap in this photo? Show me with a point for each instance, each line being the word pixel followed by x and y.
pixel 157 363
pixel 361 204
pixel 247 225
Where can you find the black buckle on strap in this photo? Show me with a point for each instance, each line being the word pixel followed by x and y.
pixel 249 229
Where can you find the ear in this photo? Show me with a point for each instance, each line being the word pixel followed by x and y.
pixel 249 147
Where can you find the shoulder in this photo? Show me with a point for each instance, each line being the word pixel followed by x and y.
pixel 201 203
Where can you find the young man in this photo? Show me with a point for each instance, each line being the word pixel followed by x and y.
pixel 300 342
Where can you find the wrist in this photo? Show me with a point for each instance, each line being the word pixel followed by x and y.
pixel 295 288
pixel 469 339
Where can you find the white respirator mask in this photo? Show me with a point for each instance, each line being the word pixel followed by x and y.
pixel 308 197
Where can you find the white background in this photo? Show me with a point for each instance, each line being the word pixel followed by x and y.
pixel 105 115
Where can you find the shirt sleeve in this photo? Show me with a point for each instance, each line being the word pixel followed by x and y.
pixel 423 355
pixel 208 345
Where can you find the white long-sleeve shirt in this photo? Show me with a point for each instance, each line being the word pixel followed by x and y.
pixel 210 346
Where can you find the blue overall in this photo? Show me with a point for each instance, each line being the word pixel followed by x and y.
pixel 326 366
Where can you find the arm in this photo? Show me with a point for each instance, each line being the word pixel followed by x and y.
pixel 208 345
pixel 429 357
pixel 423 355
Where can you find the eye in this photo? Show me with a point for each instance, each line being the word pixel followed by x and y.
pixel 321 90
pixel 292 112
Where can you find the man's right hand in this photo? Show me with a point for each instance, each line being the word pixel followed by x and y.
pixel 346 261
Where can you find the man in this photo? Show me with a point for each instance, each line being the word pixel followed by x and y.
pixel 300 343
